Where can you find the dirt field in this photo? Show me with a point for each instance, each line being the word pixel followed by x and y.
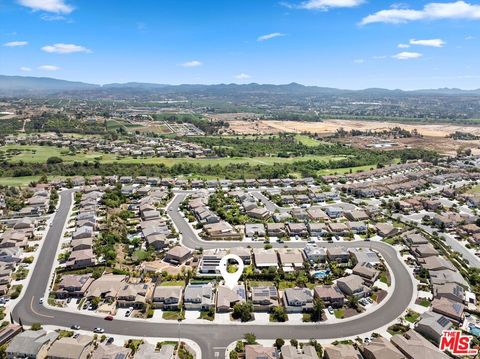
pixel 330 126
pixel 434 136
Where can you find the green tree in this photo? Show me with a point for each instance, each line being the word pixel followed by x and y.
pixel 243 311
pixel 250 338
pixel 318 307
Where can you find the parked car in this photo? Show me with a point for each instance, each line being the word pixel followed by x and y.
pixel 110 340
pixel 99 330
pixel 330 310
pixel 75 327
pixel 108 317
pixel 40 301
pixel 127 313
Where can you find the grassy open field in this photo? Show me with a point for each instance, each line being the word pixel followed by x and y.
pixel 474 189
pixel 40 154
pixel 307 141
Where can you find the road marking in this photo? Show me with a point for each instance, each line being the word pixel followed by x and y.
pixel 33 310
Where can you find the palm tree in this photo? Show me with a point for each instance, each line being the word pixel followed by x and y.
pixel 353 302
pixel 318 307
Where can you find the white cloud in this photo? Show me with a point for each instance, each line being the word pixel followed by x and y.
pixel 403 46
pixel 47 17
pixel 327 4
pixel 359 61
pixel 55 6
pixel 64 48
pixel 379 57
pixel 431 11
pixel 49 68
pixel 25 69
pixel 15 43
pixel 193 63
pixel 430 42
pixel 270 36
pixel 468 38
pixel 407 55
pixel 242 76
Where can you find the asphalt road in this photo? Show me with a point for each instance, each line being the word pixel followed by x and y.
pixel 212 338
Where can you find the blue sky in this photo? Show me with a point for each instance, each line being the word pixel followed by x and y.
pixel 339 43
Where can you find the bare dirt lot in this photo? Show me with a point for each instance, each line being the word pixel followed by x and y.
pixel 434 135
pixel 330 126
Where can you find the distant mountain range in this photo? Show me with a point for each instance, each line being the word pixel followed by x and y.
pixel 24 86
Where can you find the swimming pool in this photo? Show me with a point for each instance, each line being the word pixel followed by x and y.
pixel 320 274
pixel 474 330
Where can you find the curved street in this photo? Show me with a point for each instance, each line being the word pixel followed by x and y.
pixel 212 338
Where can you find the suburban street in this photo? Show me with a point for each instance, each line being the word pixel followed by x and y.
pixel 212 338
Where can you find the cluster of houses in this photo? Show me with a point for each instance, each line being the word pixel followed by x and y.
pixel 410 345
pixel 154 227
pixel 86 228
pixel 120 291
pixel 43 344
pixel 338 219
pixel 15 241
pixel 137 146
pixel 451 295
pixel 404 182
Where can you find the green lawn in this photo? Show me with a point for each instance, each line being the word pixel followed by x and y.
pixel 412 316
pixel 307 140
pixel 205 315
pixel 425 302
pixel 172 315
pixel 345 170
pixel 339 313
pixel 18 181
pixel 40 154
pixel 172 283
pixel 474 189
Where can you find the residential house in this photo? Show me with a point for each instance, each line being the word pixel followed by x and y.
pixel 31 344
pixel 353 285
pixel 136 295
pixel 211 260
pixel 254 230
pixel 264 297
pixel 276 229
pixel 315 254
pixel 450 291
pixel 367 272
pixel 111 351
pixel 432 325
pixel 380 348
pixel 167 297
pixel 331 295
pixel 449 308
pixel 305 352
pixel 297 300
pixel 244 254
pixel 265 258
pixel 227 298
pixel 290 258
pixel 414 346
pixel 341 351
pixel 72 285
pixel 106 287
pixel 338 254
pixel 199 296
pixel 78 347
pixel 297 229
pixel 258 351
pixel 178 255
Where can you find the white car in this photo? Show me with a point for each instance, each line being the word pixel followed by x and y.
pixel 99 330
pixel 40 301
